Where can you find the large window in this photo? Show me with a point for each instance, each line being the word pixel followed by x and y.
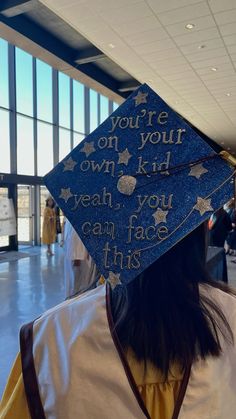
pixel 64 100
pixel 4 142
pixel 64 143
pixel 78 107
pixel 77 138
pixel 44 91
pixel 24 82
pixel 104 110
pixel 25 146
pixel 61 105
pixel 4 97
pixel 45 148
pixel 115 106
pixel 93 96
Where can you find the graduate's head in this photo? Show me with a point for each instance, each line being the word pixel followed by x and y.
pixel 50 202
pixel 185 262
pixel 166 314
pixel 136 191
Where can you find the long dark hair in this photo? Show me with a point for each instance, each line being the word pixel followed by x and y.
pixel 161 316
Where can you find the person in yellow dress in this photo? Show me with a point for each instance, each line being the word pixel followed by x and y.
pixel 49 225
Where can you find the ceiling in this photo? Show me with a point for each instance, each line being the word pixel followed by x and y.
pixel 113 45
pixel 194 70
pixel 33 27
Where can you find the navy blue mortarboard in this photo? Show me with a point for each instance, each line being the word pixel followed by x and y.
pixel 138 184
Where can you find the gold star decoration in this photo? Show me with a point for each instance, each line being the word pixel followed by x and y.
pixel 88 148
pixel 197 171
pixel 69 164
pixel 203 205
pixel 124 157
pixel 160 216
pixel 65 194
pixel 114 279
pixel 140 98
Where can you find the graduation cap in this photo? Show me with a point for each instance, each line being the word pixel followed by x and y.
pixel 138 184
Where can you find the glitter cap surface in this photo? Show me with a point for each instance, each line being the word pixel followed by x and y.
pixel 138 184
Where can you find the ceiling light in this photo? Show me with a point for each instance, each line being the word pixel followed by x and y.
pixel 201 46
pixel 228 94
pixel 189 26
pixel 111 45
pixel 213 69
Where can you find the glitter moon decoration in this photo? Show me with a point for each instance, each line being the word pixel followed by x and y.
pixel 126 185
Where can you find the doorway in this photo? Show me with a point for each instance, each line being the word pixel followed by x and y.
pixel 8 238
pixel 25 214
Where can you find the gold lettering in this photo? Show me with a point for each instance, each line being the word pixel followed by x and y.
pixel 110 167
pixel 96 200
pixel 124 122
pixel 85 199
pixel 85 165
pixel 155 137
pixel 139 233
pixel 102 142
pixel 114 122
pixel 169 204
pixel 141 166
pixel 77 202
pixel 118 255
pixel 134 122
pixel 107 196
pixel 180 132
pixel 147 230
pixel 144 138
pixel 150 115
pixel 111 140
pixel 97 229
pixel 165 164
pixel 131 227
pixel 86 228
pixel 154 198
pixel 167 140
pixel 135 261
pixel 109 229
pixel 106 251
pixel 162 232
pixel 141 202
pixel 162 115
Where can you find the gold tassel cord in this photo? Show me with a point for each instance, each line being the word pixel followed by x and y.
pixel 228 157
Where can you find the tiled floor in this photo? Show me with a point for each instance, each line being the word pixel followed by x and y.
pixel 28 287
pixel 231 270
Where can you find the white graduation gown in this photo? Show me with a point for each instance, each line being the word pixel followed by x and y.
pixel 79 371
pixel 76 278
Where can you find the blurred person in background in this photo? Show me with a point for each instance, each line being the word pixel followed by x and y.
pixel 231 239
pixel 220 228
pixel 80 272
pixel 49 225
